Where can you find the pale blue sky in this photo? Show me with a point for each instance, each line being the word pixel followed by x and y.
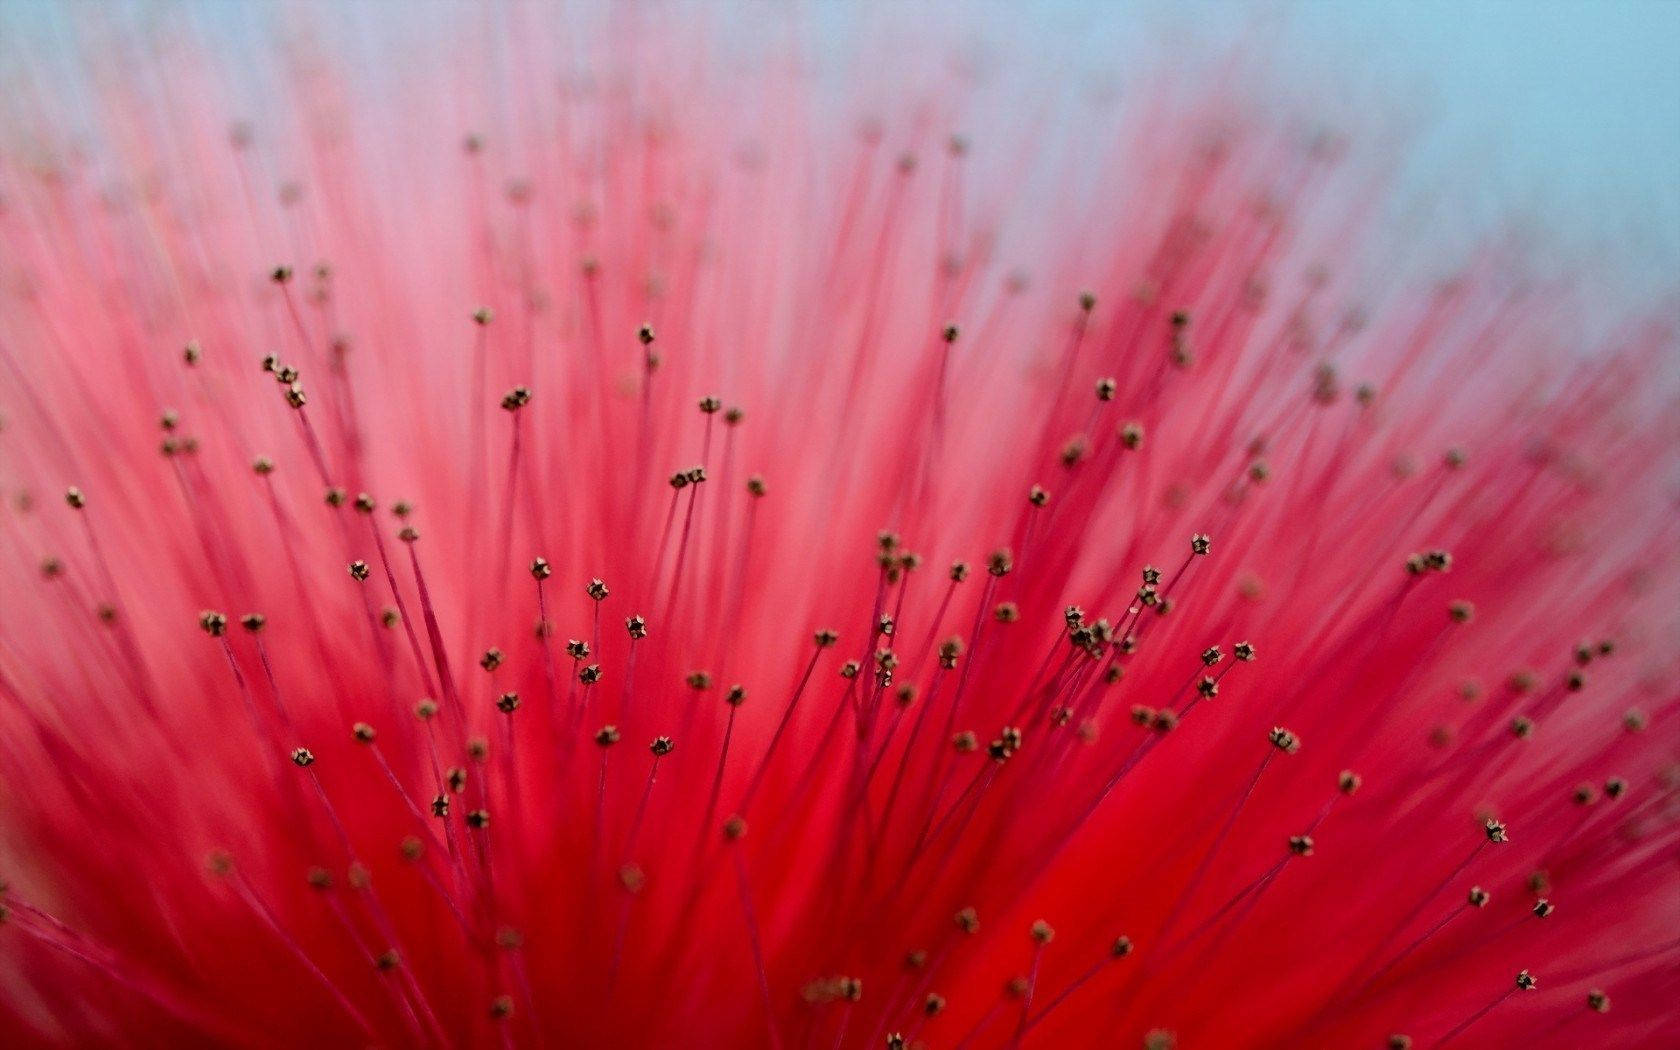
pixel 1576 104
pixel 1564 110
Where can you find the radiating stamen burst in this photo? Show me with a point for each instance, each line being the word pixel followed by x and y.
pixel 682 570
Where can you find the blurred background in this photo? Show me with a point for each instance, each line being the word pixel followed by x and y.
pixel 1566 110
pixel 1563 115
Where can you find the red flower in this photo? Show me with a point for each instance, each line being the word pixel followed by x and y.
pixel 681 572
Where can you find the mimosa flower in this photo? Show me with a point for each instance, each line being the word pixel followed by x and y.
pixel 550 532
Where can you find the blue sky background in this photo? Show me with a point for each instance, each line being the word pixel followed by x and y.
pixel 1566 112
pixel 1574 105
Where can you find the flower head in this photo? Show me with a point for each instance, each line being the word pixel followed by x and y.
pixel 628 341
